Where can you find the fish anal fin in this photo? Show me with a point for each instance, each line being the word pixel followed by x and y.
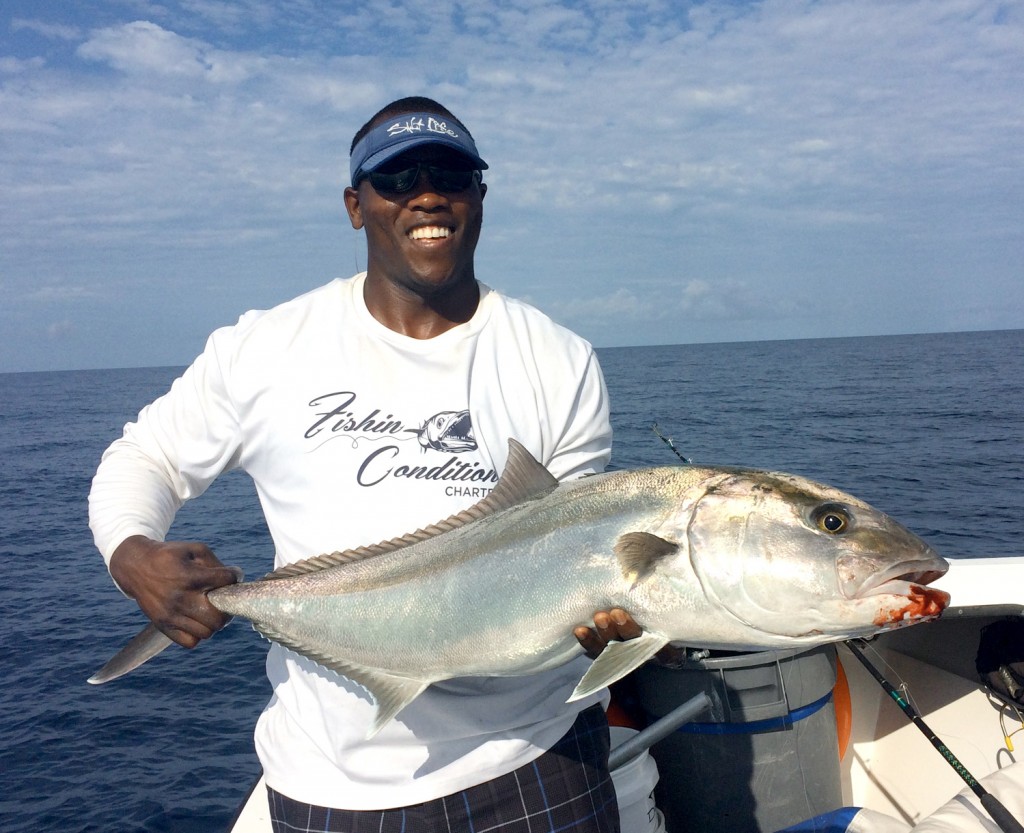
pixel 640 552
pixel 390 692
pixel 616 661
pixel 523 479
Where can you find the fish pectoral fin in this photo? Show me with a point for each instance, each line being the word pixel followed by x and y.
pixel 142 647
pixel 640 552
pixel 616 661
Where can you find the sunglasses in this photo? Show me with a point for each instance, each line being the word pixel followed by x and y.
pixel 444 180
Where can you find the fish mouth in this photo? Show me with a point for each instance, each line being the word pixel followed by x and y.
pixel 907 581
pixel 922 603
pixel 899 579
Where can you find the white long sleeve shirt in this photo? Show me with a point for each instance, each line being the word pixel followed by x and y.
pixel 355 434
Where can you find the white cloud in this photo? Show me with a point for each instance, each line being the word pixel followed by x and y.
pixel 13 66
pixel 232 16
pixel 47 30
pixel 731 154
pixel 57 294
pixel 59 329
pixel 144 47
pixel 673 300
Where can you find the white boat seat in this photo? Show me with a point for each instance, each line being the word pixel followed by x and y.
pixel 961 814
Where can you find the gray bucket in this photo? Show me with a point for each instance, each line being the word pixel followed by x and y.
pixel 766 757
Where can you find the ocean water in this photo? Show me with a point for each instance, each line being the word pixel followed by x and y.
pixel 929 428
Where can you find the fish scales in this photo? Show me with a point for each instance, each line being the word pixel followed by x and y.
pixel 490 576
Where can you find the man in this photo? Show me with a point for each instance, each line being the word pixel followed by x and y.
pixel 363 410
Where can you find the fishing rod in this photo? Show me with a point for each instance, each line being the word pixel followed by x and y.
pixel 1000 815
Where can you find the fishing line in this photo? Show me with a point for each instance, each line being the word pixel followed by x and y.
pixel 902 688
pixel 1000 815
pixel 670 444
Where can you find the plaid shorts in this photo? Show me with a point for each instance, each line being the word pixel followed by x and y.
pixel 568 788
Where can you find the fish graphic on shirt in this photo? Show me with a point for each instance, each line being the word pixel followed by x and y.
pixel 450 431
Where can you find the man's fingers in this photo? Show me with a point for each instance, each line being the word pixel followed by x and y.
pixel 201 578
pixel 169 580
pixel 614 624
pixel 591 642
pixel 625 626
pixel 192 627
pixel 191 617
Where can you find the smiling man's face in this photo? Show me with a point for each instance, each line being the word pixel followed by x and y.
pixel 423 239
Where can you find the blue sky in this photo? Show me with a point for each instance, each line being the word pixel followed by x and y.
pixel 661 172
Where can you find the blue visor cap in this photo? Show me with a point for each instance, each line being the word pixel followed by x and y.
pixel 411 130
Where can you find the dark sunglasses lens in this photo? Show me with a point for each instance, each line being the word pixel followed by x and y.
pixel 443 179
pixel 396 182
pixel 451 181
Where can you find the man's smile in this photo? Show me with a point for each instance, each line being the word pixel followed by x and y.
pixel 429 232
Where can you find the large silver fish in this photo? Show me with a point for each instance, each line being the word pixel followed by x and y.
pixel 708 557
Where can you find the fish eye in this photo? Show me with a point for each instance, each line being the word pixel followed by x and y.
pixel 832 519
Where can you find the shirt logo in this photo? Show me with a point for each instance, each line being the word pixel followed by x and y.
pixel 448 432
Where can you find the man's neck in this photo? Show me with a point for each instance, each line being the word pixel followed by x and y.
pixel 420 315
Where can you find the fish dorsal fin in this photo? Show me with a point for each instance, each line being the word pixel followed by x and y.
pixel 523 479
pixel 616 661
pixel 639 553
pixel 390 692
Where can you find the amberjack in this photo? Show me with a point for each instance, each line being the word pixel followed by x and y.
pixel 708 557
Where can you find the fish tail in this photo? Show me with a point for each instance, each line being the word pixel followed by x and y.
pixel 145 645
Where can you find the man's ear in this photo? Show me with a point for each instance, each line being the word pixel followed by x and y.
pixel 483 190
pixel 353 207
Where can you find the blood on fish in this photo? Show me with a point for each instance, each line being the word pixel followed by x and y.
pixel 923 602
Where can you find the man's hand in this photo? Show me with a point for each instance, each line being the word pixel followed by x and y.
pixel 169 581
pixel 608 625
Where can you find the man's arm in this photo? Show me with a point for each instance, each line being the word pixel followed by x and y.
pixel 179 444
